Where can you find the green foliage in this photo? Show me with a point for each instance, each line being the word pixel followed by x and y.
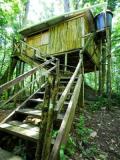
pixel 70 146
pixel 90 152
pixel 62 154
pixel 100 103
pixel 54 133
pixel 82 131
pixel 11 14
pixel 9 106
pixel 87 148
pixel 67 150
pixel 4 96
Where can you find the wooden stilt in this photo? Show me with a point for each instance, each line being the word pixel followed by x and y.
pixel 66 59
pixel 81 96
pixel 100 70
pixel 95 80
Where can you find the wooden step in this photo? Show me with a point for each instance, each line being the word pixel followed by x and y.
pixel 22 130
pixel 66 82
pixel 67 78
pixel 5 155
pixel 31 103
pixel 39 94
pixel 36 100
pixel 29 111
pixel 60 116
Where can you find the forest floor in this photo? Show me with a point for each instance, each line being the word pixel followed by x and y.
pixel 99 138
pixel 106 127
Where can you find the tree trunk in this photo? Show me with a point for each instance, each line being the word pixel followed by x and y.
pixel 26 12
pixel 103 70
pixel 9 71
pixel 66 5
pixel 108 49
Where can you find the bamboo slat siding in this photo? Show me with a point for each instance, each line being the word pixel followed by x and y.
pixel 62 37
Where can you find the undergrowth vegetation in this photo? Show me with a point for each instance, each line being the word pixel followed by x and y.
pixel 80 144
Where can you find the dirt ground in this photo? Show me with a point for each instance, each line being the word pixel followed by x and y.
pixel 106 125
pixel 105 135
pixel 4 113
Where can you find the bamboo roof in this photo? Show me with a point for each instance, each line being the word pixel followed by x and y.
pixel 42 26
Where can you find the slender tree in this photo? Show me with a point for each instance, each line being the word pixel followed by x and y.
pixel 66 5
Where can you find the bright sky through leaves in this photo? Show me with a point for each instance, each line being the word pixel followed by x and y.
pixel 43 9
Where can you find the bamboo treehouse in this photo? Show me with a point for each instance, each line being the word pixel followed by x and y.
pixel 60 50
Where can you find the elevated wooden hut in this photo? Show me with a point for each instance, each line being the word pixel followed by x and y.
pixel 64 36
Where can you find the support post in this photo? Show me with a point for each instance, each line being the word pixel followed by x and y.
pixel 103 65
pixel 43 124
pixel 66 60
pixel 81 95
pixel 100 70
pixel 95 80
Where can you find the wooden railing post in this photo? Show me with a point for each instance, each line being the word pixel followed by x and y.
pixel 81 95
pixel 46 127
pixel 43 124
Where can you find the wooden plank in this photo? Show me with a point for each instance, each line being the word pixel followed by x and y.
pixel 29 111
pixel 24 125
pixel 37 100
pixel 5 155
pixel 60 116
pixel 30 134
pixel 67 121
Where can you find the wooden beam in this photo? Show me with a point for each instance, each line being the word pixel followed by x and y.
pixel 66 61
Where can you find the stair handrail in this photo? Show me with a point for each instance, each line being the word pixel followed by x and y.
pixel 11 85
pixel 27 46
pixel 25 75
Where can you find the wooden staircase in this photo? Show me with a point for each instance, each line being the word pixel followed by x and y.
pixel 51 98
pixel 24 122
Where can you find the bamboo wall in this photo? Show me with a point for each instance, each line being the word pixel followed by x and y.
pixel 62 37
